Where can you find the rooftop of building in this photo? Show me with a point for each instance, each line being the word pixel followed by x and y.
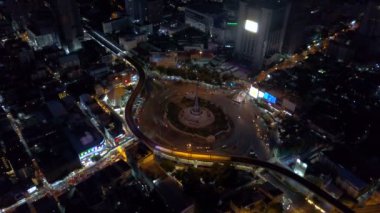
pixel 173 194
pixel 124 194
pixel 333 189
pixel 247 197
pixel 81 135
pixel 269 190
pixel 354 180
pixel 212 8
pixel 46 204
pixel 355 167
pixel 119 18
pixel 8 190
pixel 270 4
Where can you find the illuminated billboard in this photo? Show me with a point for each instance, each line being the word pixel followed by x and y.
pixel 270 98
pixel 254 92
pixel 300 168
pixel 92 151
pixel 251 26
pixel 232 23
pixel 261 94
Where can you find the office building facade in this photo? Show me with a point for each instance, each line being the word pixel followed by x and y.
pixel 144 10
pixel 370 25
pixel 261 29
pixel 136 9
pixel 70 25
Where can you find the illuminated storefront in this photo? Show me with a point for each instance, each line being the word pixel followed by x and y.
pixel 96 150
pixel 256 93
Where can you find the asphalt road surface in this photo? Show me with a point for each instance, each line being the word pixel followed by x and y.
pixel 242 138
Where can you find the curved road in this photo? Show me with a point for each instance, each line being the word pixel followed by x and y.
pixel 240 160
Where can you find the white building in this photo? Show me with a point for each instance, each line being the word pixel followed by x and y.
pixel 200 21
pixel 41 38
pixel 203 17
pixel 129 42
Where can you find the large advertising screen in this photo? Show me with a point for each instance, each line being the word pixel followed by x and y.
pixel 270 98
pixel 261 94
pixel 254 92
pixel 251 26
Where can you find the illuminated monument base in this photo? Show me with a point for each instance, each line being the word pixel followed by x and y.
pixel 196 119
pixel 202 120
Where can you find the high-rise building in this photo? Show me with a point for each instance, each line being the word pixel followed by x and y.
pixel 136 9
pixel 145 10
pixel 155 9
pixel 203 16
pixel 42 30
pixel 69 21
pixel 370 25
pixel 261 29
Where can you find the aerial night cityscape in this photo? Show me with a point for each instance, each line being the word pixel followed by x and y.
pixel 233 106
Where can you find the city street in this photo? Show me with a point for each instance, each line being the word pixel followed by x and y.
pixel 296 58
pixel 153 145
pixel 74 178
pixel 240 141
pixel 213 94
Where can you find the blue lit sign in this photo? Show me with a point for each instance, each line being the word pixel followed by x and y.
pixel 270 98
pixel 266 96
